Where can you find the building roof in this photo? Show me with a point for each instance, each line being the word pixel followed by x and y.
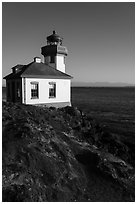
pixel 37 70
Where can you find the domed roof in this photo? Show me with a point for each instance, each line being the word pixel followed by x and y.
pixel 54 38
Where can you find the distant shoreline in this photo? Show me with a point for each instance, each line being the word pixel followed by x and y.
pixel 102 86
pixel 4 87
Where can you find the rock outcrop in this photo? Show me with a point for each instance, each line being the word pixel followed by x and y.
pixel 62 154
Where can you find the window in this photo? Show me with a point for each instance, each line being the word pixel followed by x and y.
pixel 52 90
pixel 34 90
pixel 52 59
pixel 18 90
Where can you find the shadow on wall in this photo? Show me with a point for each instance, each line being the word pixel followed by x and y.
pixel 3 93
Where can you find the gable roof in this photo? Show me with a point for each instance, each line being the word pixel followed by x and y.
pixel 37 70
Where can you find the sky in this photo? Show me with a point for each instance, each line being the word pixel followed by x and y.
pixel 99 36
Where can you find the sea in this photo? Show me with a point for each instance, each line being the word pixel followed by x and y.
pixel 112 107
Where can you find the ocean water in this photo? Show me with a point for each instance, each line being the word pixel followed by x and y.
pixel 113 108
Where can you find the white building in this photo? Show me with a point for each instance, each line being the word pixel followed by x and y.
pixel 42 83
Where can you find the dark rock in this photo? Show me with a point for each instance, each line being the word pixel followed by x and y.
pixel 15 193
pixel 62 155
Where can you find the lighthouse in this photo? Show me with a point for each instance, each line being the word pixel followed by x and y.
pixel 42 83
pixel 54 53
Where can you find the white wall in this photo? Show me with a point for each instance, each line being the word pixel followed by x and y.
pixel 62 91
pixel 60 65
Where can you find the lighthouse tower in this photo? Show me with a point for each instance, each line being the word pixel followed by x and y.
pixel 54 53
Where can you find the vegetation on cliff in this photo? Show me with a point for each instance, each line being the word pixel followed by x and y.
pixel 62 154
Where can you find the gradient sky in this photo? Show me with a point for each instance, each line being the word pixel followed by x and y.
pixel 99 37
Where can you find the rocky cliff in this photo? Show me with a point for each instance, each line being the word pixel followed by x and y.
pixel 62 155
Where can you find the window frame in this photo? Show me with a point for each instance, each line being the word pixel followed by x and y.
pixel 52 90
pixel 33 90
